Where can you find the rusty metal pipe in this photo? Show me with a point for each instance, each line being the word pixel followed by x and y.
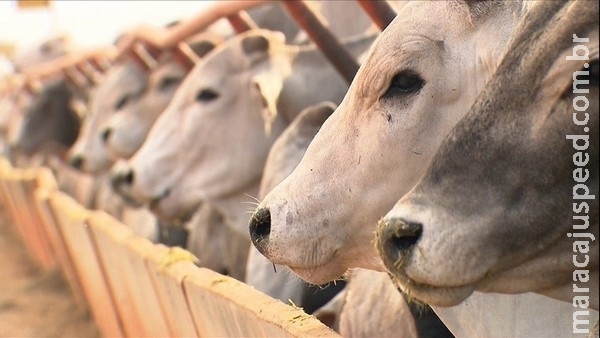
pixel 339 57
pixel 241 22
pixel 141 56
pixel 185 56
pixel 380 12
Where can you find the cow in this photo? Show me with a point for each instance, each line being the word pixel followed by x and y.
pixel 508 203
pixel 326 211
pixel 48 124
pixel 320 220
pixel 181 165
pixel 129 93
pixel 136 109
pixel 283 157
pixel 361 307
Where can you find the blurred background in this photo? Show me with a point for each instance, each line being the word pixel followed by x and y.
pixel 88 23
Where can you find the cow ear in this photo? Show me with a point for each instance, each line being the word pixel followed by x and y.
pixel 269 85
pixel 256 46
pixel 204 43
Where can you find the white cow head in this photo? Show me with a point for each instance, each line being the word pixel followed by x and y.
pixel 128 124
pixel 125 106
pixel 421 76
pixel 505 205
pixel 210 142
pixel 123 81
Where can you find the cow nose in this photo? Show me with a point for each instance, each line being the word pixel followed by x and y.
pixel 76 161
pixel 260 228
pixel 105 134
pixel 124 176
pixel 397 237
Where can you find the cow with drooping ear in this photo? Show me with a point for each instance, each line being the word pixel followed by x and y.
pixel 509 203
pixel 419 79
pixel 211 143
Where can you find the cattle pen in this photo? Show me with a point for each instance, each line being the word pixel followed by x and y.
pixel 131 286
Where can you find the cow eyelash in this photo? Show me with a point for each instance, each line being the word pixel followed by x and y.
pixel 405 83
pixel 206 95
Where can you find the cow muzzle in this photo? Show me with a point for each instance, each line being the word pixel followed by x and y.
pixel 395 239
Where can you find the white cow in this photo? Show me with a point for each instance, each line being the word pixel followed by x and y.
pixel 136 109
pixel 363 307
pixel 320 220
pixel 508 204
pixel 283 157
pixel 386 129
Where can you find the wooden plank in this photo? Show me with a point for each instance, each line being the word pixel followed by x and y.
pixel 168 278
pixel 47 257
pixel 8 196
pixel 223 306
pixel 23 219
pixel 111 258
pixel 147 301
pixel 125 268
pixel 72 220
pixel 58 243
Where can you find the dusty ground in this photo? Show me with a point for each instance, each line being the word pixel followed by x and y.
pixel 33 302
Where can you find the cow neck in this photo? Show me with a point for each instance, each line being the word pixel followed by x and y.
pixel 236 207
pixel 314 80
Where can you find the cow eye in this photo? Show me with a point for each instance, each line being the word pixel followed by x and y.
pixel 168 82
pixel 122 102
pixel 206 95
pixel 405 83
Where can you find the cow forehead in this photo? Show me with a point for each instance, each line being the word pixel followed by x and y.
pixel 122 79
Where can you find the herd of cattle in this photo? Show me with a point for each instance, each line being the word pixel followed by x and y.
pixel 460 165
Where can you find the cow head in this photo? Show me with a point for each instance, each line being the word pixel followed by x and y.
pixel 496 209
pixel 123 81
pixel 199 148
pixel 48 123
pixel 421 76
pixel 129 124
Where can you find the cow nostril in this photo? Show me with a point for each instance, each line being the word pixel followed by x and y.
pixel 76 161
pixel 128 177
pixel 397 236
pixel 260 228
pixel 105 134
pixel 123 177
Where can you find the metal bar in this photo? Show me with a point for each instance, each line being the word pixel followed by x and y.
pixel 380 12
pixel 185 56
pixel 241 22
pixel 339 57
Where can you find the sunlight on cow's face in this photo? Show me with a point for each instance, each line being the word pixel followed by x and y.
pixel 211 139
pixel 420 78
pixel 127 128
